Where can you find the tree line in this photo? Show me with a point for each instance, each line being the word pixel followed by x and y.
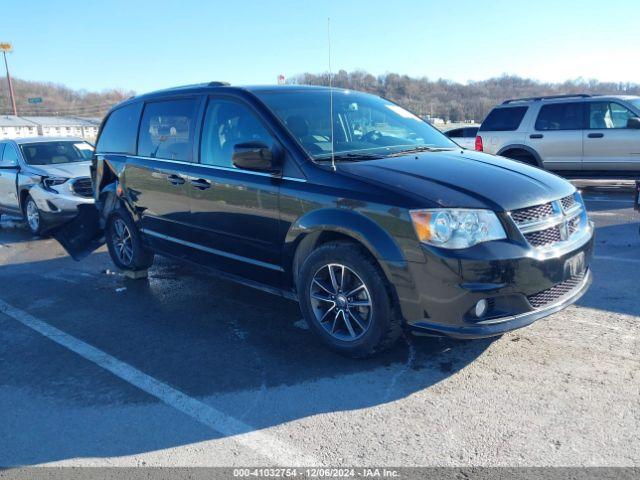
pixel 456 102
pixel 452 101
pixel 57 99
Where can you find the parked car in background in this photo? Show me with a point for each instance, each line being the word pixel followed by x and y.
pixel 44 179
pixel 465 137
pixel 570 134
pixel 370 218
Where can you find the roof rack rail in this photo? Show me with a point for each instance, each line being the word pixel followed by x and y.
pixel 219 84
pixel 547 97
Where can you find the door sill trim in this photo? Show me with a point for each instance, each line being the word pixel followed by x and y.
pixel 213 251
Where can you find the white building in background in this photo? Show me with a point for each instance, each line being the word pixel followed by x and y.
pixel 15 127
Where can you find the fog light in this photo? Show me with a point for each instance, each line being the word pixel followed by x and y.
pixel 481 308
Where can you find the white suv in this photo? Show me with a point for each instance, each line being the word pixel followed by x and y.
pixel 567 133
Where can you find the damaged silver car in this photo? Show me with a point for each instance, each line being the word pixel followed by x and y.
pixel 45 179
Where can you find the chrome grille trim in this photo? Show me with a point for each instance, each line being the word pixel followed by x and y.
pixel 548 224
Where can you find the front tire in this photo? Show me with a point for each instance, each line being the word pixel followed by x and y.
pixel 32 216
pixel 347 301
pixel 125 243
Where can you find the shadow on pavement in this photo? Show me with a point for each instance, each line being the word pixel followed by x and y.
pixel 239 350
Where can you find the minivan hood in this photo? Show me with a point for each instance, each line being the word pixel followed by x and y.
pixel 463 178
pixel 67 170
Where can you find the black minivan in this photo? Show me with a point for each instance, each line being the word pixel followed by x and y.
pixel 348 203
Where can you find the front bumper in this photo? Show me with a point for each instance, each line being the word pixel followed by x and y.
pixel 59 207
pixel 520 286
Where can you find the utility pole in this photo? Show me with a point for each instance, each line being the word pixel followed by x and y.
pixel 6 47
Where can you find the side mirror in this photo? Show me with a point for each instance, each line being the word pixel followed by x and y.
pixel 256 156
pixel 633 122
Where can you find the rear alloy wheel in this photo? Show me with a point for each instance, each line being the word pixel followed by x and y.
pixel 124 243
pixel 347 301
pixel 32 216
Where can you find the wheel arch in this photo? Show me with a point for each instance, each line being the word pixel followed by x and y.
pixel 326 225
pixel 522 148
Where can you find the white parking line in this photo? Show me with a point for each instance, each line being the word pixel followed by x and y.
pixel 262 443
pixel 617 259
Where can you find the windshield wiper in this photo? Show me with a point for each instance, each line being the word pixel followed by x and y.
pixel 351 156
pixel 422 148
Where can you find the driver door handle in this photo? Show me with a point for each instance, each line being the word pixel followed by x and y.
pixel 596 135
pixel 201 184
pixel 175 180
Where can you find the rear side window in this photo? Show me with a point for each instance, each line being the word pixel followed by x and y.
pixel 560 116
pixel 457 133
pixel 119 133
pixel 504 119
pixel 167 130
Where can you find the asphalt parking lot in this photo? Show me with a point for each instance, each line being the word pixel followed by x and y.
pixel 185 369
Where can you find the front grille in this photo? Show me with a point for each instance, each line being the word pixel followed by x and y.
pixel 568 202
pixel 83 187
pixel 573 225
pixel 531 214
pixel 549 223
pixel 551 295
pixel 544 238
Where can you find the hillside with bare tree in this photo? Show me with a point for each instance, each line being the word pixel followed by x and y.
pixel 455 101
pixel 58 99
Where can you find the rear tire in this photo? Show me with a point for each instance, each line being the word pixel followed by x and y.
pixel 125 243
pixel 346 300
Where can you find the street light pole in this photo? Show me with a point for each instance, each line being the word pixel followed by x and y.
pixel 6 47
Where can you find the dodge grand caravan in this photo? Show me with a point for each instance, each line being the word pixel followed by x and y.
pixel 343 201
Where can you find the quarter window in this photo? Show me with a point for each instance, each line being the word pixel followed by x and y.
pixel 606 115
pixel 167 130
pixel 119 133
pixel 560 116
pixel 504 119
pixel 226 124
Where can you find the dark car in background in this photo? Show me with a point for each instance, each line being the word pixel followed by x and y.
pixel 44 179
pixel 370 218
pixel 463 136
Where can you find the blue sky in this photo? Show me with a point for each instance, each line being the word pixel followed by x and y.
pixel 145 45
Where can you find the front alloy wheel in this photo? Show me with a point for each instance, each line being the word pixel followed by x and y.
pixel 341 302
pixel 347 301
pixel 32 215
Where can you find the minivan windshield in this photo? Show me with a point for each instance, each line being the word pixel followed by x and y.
pixel 636 103
pixel 53 153
pixel 362 126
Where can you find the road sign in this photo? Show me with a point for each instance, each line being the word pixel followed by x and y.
pixel 35 100
pixel 5 47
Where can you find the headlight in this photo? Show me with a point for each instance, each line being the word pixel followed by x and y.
pixel 456 227
pixel 49 182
